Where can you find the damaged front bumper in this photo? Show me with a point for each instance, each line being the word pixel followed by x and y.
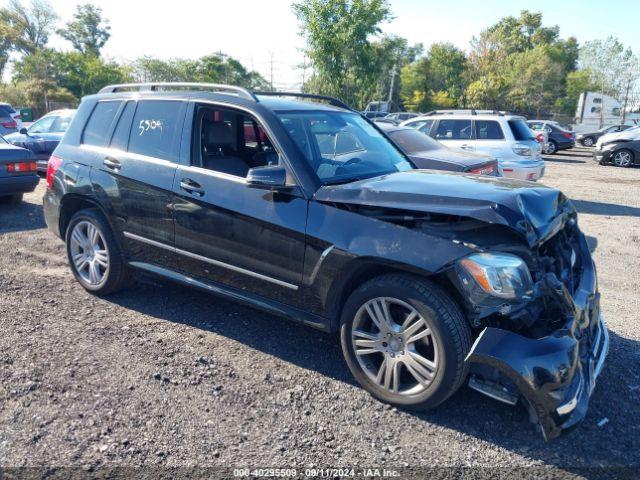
pixel 555 375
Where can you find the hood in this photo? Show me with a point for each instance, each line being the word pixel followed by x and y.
pixel 534 211
pixel 630 134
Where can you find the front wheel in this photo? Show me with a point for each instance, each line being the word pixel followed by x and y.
pixel 588 142
pixel 405 341
pixel 623 158
pixel 94 254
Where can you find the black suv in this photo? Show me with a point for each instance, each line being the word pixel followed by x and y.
pixel 305 209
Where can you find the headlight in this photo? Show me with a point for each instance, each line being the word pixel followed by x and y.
pixel 499 274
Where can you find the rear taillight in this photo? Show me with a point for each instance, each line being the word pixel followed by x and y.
pixel 522 150
pixel 540 138
pixel 11 124
pixel 567 135
pixel 52 167
pixel 488 170
pixel 20 167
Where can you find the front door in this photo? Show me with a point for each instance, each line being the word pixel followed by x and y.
pixel 226 231
pixel 454 133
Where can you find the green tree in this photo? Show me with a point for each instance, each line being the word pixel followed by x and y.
pixel 488 91
pixel 28 28
pixel 339 36
pixel 88 31
pixel 415 86
pixel 536 81
pixel 215 68
pixel 576 83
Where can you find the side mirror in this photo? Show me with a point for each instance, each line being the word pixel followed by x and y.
pixel 24 131
pixel 271 177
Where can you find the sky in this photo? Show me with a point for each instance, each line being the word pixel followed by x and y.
pixel 264 34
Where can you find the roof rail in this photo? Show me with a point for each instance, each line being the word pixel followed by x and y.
pixel 331 100
pixel 468 112
pixel 169 86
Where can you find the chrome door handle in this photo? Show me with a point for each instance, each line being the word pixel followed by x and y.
pixel 191 187
pixel 112 163
pixel 466 147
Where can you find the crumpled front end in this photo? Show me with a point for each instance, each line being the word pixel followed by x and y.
pixel 554 363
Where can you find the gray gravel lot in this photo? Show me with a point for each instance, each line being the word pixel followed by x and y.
pixel 162 375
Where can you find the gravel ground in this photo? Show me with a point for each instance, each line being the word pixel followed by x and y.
pixel 164 376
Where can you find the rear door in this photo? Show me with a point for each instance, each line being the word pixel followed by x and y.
pixel 454 133
pixel 135 175
pixel 489 137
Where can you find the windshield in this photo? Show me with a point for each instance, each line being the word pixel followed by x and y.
pixel 412 141
pixel 342 147
pixel 2 139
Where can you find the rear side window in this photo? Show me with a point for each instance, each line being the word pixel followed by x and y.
pixel 454 130
pixel 154 131
pixel 95 133
pixel 488 130
pixel 120 138
pixel 520 130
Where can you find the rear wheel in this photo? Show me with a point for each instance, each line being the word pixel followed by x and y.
pixel 551 148
pixel 588 142
pixel 623 158
pixel 405 341
pixel 94 255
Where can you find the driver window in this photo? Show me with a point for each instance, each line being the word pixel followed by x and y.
pixel 230 142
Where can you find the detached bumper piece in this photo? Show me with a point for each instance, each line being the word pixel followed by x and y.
pixel 555 375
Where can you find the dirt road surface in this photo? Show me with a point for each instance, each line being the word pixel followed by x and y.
pixel 160 375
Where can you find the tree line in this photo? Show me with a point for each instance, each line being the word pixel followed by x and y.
pixel 518 64
pixel 42 77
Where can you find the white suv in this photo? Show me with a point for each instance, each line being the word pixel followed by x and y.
pixel 501 135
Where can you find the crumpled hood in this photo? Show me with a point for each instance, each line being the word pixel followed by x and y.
pixel 533 210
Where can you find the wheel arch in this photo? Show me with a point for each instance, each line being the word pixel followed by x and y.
pixel 72 204
pixel 361 270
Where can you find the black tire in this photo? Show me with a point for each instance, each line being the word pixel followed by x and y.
pixel 12 200
pixel 552 148
pixel 450 330
pixel 116 274
pixel 616 158
pixel 588 141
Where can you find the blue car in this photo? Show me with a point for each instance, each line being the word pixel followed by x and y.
pixel 43 136
pixel 17 172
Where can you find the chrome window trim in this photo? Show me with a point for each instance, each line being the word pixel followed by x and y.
pixel 217 263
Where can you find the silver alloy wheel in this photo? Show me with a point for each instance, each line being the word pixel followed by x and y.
pixel 395 346
pixel 588 142
pixel 550 148
pixel 622 158
pixel 89 253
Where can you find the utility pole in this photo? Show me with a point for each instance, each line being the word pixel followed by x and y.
pixel 271 70
pixel 393 82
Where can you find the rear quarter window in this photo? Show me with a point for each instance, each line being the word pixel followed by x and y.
pixel 154 132
pixel 520 130
pixel 99 124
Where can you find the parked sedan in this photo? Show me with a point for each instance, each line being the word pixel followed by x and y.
pixel 8 123
pixel 43 136
pixel 559 138
pixel 17 172
pixel 427 153
pixel 620 152
pixel 589 139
